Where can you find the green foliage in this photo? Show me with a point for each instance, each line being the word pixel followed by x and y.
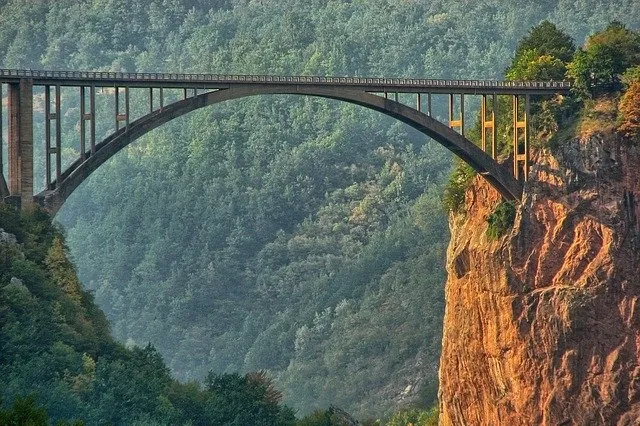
pixel 542 54
pixel 10 221
pixel 55 345
pixel 318 418
pixel 630 76
pixel 597 68
pixel 531 65
pixel 547 40
pixel 459 182
pixel 501 219
pixel 246 400
pixel 414 417
pixel 629 111
pixel 24 412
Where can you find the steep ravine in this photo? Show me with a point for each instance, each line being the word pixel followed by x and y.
pixel 542 327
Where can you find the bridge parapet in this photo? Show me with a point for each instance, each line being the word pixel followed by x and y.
pixel 213 81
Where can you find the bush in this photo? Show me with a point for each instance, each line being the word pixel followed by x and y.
pixel 630 76
pixel 414 417
pixel 10 221
pixel 319 418
pixel 459 182
pixel 629 109
pixel 501 220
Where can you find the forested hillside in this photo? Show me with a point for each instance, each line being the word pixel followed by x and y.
pixel 297 235
pixel 56 348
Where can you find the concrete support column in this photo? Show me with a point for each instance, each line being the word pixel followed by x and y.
pixel 21 141
pixel 521 150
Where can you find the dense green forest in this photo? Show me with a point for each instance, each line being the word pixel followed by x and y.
pixel 55 344
pixel 296 235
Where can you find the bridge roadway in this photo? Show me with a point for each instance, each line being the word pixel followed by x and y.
pixel 225 81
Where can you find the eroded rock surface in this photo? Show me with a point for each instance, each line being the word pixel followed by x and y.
pixel 542 327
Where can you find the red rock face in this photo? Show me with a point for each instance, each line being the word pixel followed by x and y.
pixel 542 327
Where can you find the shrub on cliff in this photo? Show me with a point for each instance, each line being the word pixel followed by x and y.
pixel 501 220
pixel 629 109
pixel 459 181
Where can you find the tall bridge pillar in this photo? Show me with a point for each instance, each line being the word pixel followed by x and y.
pixel 20 133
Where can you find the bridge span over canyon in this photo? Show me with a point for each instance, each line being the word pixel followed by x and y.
pixel 27 87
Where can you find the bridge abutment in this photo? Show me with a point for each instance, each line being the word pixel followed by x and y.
pixel 20 134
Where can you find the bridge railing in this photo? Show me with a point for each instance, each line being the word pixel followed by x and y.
pixel 228 78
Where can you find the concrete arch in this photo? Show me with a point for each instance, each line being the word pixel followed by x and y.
pixel 497 175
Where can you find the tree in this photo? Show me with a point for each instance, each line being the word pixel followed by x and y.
pixel 597 68
pixel 542 54
pixel 240 400
pixel 24 412
pixel 547 39
pixel 531 65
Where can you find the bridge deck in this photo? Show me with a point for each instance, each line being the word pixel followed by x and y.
pixel 224 81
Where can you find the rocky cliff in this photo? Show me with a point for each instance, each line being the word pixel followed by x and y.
pixel 542 326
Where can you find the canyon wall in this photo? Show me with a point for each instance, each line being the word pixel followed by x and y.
pixel 542 326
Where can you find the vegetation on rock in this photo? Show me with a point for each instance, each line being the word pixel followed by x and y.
pixel 501 220
pixel 630 111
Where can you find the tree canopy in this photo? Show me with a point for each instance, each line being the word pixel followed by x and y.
pixel 598 67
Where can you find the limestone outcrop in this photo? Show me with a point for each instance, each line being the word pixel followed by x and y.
pixel 542 326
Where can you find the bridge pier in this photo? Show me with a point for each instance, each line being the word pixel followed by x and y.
pixel 489 124
pixel 20 132
pixel 456 123
pixel 521 154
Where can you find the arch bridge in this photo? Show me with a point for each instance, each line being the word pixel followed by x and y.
pixel 200 90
